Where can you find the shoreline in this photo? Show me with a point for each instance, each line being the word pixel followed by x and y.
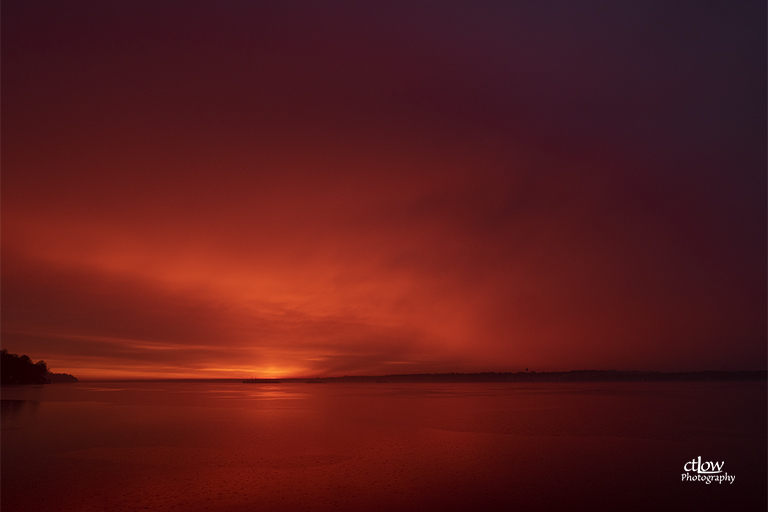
pixel 498 377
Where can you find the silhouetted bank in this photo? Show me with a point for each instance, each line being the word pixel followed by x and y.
pixel 261 381
pixel 572 376
pixel 15 369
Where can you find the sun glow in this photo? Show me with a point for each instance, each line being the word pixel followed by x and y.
pixel 270 372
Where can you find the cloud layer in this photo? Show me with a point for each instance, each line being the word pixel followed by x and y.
pixel 237 190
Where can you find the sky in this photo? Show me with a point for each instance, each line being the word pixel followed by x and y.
pixel 308 188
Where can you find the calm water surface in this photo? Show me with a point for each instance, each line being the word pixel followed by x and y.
pixel 357 447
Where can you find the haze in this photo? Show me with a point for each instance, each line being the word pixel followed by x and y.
pixel 239 189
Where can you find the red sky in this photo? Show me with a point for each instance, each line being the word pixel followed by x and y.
pixel 237 189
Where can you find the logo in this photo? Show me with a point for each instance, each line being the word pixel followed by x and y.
pixel 707 472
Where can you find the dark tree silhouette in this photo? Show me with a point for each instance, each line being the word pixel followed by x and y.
pixel 21 370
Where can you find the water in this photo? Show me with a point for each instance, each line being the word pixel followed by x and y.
pixel 357 447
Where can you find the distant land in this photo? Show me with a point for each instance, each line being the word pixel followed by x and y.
pixel 572 376
pixel 15 369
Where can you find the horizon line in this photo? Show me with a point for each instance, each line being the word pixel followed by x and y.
pixel 755 374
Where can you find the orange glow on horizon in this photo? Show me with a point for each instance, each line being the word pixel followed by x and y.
pixel 361 196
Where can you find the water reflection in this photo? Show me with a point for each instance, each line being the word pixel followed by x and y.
pixel 102 389
pixel 344 447
pixel 16 413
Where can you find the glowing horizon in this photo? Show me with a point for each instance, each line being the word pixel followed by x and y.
pixel 295 189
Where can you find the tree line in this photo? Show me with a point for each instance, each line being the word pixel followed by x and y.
pixel 15 369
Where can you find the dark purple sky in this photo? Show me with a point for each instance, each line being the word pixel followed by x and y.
pixel 200 188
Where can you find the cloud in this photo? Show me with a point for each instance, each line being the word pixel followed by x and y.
pixel 365 189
